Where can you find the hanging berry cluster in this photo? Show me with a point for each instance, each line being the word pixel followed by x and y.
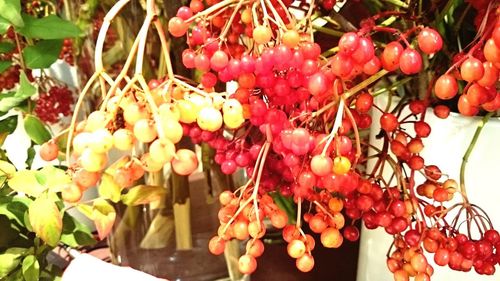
pixel 293 124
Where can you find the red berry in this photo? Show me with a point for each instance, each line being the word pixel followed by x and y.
pixel 389 122
pixel 429 41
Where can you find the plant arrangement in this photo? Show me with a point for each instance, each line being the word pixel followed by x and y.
pixel 296 124
pixel 33 217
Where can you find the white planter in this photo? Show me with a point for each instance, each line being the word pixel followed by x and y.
pixel 445 148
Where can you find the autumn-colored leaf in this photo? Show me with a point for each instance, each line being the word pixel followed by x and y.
pixel 46 220
pixel 104 216
pixel 143 194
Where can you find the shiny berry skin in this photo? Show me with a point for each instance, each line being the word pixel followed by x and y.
pixel 429 41
pixel 389 122
pixel 446 87
pixel 391 55
pixel 348 43
pixel 410 61
pixel 471 69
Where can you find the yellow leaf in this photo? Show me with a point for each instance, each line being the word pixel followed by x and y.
pixel 6 169
pixel 46 220
pixel 104 216
pixel 109 189
pixel 26 182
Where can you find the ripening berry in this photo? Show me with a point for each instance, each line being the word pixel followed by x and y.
pixel 305 263
pixel 49 151
pixel 123 139
pixel 296 248
pixel 145 131
pixel 102 141
pixel 93 161
pixel 209 119
pixel 261 34
pixel 291 38
pixel 85 179
pixel 410 61
pixel 471 69
pixel 95 120
pixel 389 122
pixel 321 165
pixel 247 264
pixel 446 87
pixel 170 129
pixel 187 110
pixel 71 193
pixel 185 162
pixel 216 245
pixel 429 41
pixel 177 27
pixel 162 151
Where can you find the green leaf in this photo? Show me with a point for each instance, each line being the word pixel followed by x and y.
pixel 75 233
pixel 11 11
pixel 104 216
pixel 25 91
pixel 15 208
pixel 9 260
pixel 8 233
pixel 143 194
pixel 53 178
pixel 27 182
pixel 6 47
pixel 36 130
pixel 46 220
pixel 31 268
pixel 108 188
pixel 31 156
pixel 50 27
pixel 4 65
pixel 43 54
pixel 8 125
pixel 4 26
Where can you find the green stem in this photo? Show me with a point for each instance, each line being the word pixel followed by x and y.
pixel 445 10
pixel 467 154
pixel 392 87
pixel 328 31
pixel 398 3
pixel 458 24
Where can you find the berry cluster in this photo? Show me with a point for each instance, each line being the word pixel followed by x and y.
pixel 67 52
pixel 54 104
pixel 293 124
pixel 478 68
pixel 9 77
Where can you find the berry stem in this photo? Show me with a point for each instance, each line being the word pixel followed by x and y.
pixel 354 90
pixel 299 213
pixel 230 22
pixel 468 152
pixel 101 38
pixel 78 104
pixel 143 35
pixel 165 48
pixel 336 126
pixel 211 10
pixel 356 134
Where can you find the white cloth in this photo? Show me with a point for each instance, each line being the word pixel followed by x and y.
pixel 86 267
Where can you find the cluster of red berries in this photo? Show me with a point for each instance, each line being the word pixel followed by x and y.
pixel 9 77
pixel 67 52
pixel 479 70
pixel 111 35
pixel 297 127
pixel 54 104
